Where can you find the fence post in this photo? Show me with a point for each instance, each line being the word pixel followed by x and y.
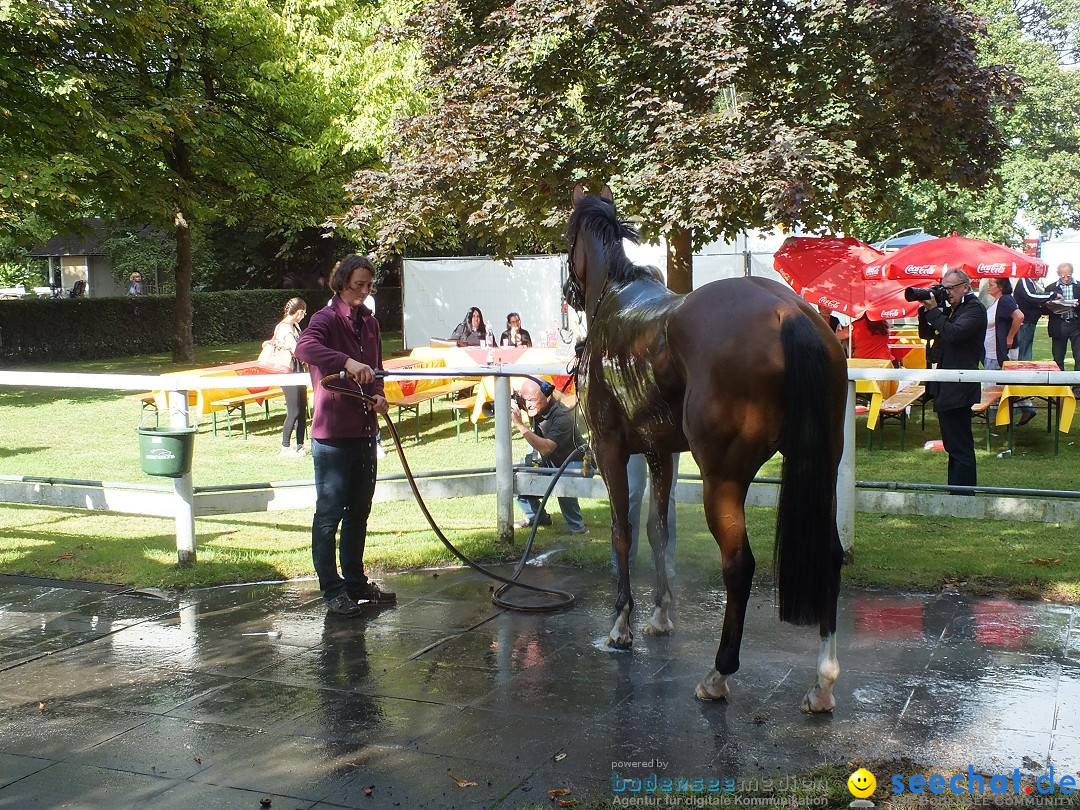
pixel 504 463
pixel 845 480
pixel 183 488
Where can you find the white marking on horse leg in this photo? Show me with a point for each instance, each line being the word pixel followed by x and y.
pixel 712 687
pixel 621 636
pixel 658 624
pixel 820 697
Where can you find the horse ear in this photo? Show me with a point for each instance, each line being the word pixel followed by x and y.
pixel 606 195
pixel 579 193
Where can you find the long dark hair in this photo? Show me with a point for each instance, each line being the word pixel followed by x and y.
pixel 468 321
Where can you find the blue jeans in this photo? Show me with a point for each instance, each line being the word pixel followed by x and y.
pixel 637 473
pixel 345 471
pixel 570 508
pixel 1025 340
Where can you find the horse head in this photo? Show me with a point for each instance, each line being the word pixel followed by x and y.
pixel 595 236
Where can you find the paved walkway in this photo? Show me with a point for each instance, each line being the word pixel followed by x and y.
pixel 228 696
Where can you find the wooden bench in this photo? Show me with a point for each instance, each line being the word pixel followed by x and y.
pixel 462 409
pixel 896 407
pixel 985 407
pixel 413 402
pixel 148 399
pixel 231 400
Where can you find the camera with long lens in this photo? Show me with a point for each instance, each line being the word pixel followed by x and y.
pixel 936 291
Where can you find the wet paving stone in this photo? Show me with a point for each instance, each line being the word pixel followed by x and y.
pixel 232 695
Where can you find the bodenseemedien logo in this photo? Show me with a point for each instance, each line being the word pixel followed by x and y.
pixel 861 784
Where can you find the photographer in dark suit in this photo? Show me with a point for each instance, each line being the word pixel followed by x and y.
pixel 959 330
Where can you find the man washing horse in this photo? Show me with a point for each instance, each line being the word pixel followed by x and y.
pixel 733 372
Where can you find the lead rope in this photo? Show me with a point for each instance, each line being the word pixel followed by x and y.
pixel 562 599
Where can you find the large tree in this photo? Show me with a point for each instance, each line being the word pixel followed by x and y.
pixel 1039 176
pixel 708 116
pixel 180 113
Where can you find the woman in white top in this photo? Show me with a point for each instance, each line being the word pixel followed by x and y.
pixel 1003 321
pixel 286 333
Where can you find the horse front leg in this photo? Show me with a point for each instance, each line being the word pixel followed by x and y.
pixel 661 529
pixel 727 521
pixel 614 468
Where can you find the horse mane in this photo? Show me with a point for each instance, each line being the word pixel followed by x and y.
pixel 598 218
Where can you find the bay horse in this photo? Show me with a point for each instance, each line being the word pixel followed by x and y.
pixel 733 372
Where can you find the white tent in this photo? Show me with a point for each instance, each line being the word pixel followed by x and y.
pixel 438 293
pixel 1063 248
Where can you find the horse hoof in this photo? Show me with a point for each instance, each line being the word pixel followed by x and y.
pixel 701 693
pixel 654 628
pixel 817 702
pixel 621 643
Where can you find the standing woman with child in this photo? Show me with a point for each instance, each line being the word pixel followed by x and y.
pixel 286 336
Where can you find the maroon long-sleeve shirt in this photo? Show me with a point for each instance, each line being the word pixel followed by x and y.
pixel 333 335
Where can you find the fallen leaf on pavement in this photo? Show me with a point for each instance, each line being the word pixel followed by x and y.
pixel 560 757
pixel 462 782
pixel 567 802
pixel 558 792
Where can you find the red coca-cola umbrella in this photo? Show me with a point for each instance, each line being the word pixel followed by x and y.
pixel 829 271
pixel 932 259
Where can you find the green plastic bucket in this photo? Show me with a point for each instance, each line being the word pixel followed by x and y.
pixel 166 451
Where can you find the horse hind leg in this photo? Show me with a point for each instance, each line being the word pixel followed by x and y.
pixel 820 696
pixel 727 521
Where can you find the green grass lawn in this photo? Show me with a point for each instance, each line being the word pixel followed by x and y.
pixel 91 435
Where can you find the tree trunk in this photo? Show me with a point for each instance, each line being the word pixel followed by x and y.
pixel 183 345
pixel 680 260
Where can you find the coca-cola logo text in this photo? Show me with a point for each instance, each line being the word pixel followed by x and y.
pixel 995 269
pixel 921 270
pixel 891 313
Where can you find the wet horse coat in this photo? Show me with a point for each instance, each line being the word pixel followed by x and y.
pixel 732 372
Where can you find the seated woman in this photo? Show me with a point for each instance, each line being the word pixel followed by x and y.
pixel 514 334
pixel 870 339
pixel 472 331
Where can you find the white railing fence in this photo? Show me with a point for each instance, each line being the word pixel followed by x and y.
pixel 184 502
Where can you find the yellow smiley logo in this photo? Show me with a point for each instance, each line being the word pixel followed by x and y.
pixel 861 783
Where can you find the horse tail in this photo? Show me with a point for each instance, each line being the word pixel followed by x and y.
pixel 807 553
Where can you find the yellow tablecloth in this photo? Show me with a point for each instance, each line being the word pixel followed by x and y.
pixel 396 390
pixel 1068 399
pixel 1068 402
pixel 878 390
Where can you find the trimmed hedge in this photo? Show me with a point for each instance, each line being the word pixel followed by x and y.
pixel 46 330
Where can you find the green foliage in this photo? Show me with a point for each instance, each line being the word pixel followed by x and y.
pixel 26 273
pixel 198 111
pixel 152 252
pixel 1039 174
pixel 710 116
pixel 92 328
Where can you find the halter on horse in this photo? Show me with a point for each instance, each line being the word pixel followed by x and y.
pixel 733 372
